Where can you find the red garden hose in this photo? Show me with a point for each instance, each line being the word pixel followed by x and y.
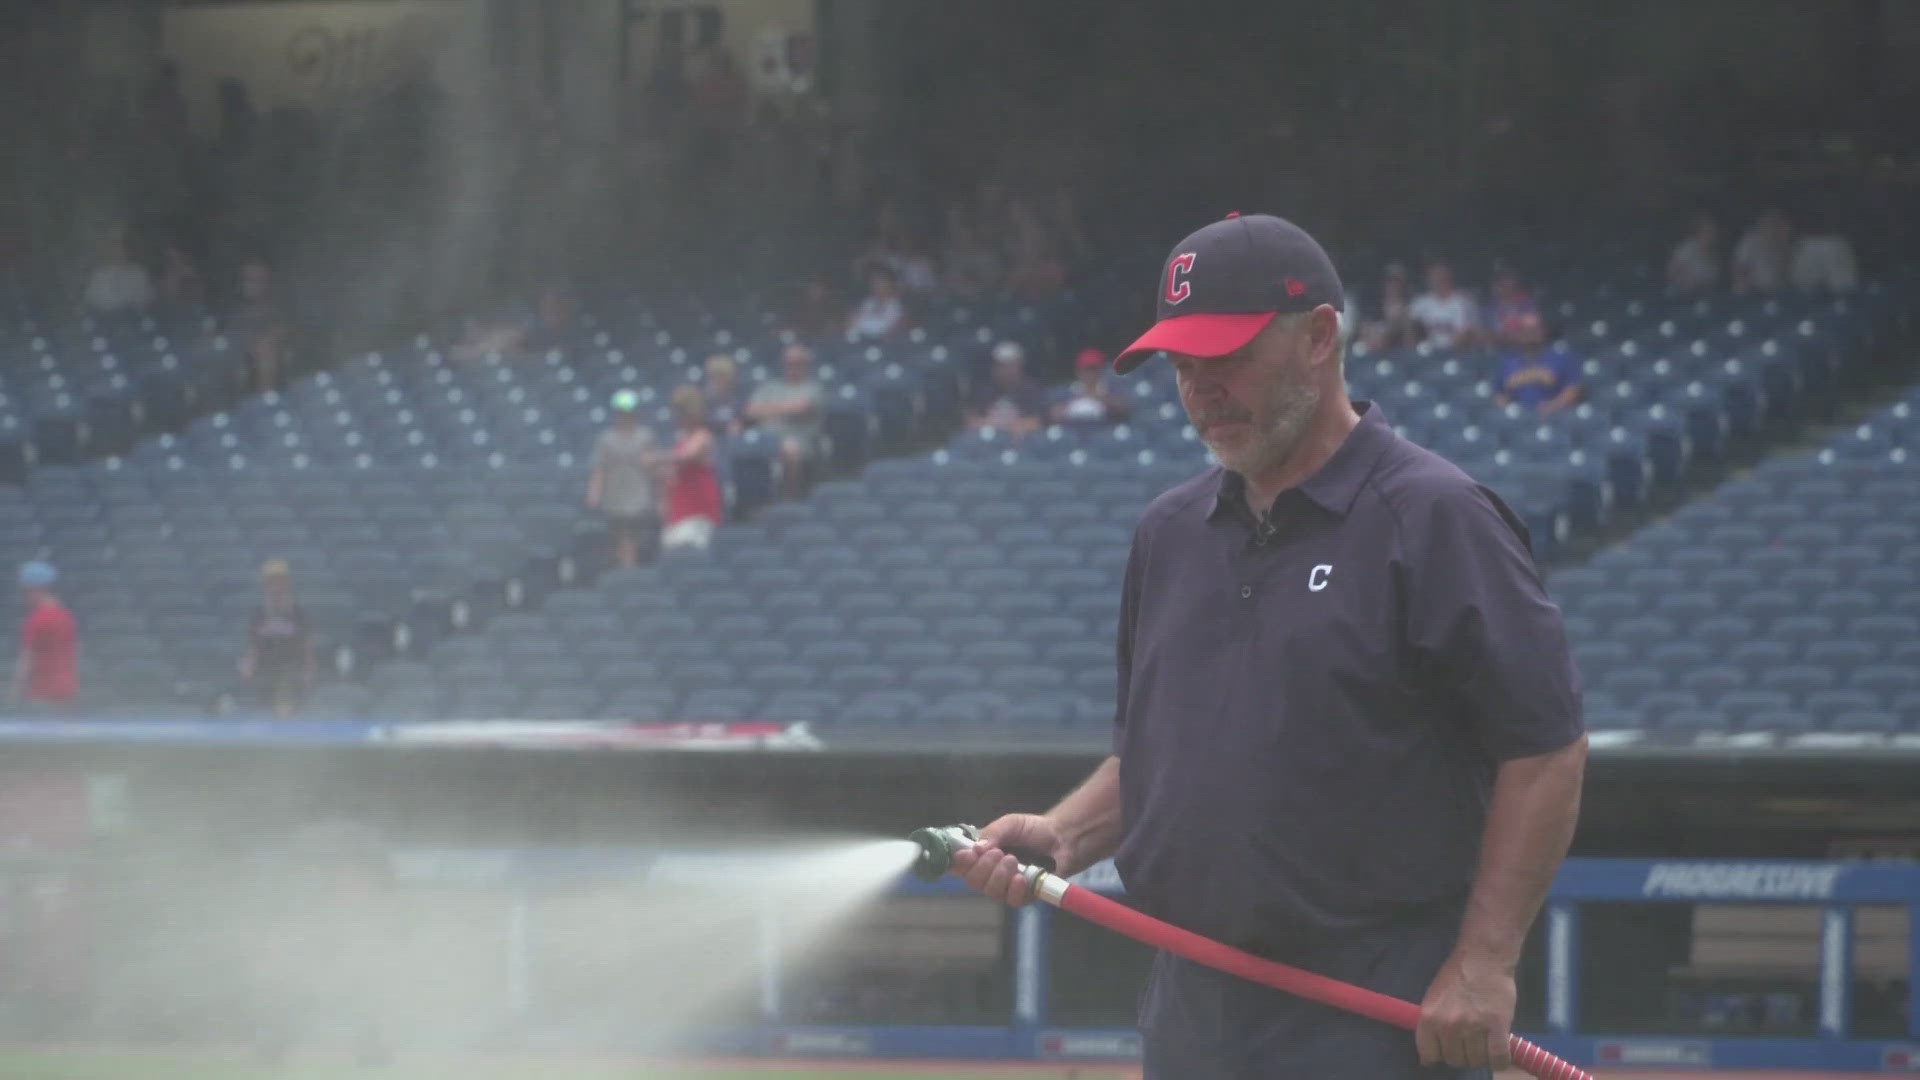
pixel 1148 930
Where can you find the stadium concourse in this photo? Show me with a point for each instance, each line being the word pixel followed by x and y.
pixel 430 508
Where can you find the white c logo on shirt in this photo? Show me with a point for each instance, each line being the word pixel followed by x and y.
pixel 1317 579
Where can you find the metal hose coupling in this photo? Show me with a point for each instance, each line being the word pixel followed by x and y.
pixel 938 843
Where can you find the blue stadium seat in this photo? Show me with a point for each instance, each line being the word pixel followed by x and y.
pixel 1798 678
pixel 721 704
pixel 1885 679
pixel 1871 721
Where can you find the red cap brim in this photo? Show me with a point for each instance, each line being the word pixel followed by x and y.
pixel 1194 335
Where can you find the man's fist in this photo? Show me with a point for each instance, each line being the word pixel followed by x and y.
pixel 1467 1015
pixel 987 867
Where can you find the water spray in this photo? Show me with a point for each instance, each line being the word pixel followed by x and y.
pixel 939 843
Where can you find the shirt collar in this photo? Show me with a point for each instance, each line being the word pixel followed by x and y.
pixel 1335 484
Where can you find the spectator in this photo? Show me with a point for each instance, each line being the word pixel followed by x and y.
pixel 260 324
pixel 1535 377
pixel 726 405
pixel 694 503
pixel 1037 272
pixel 793 410
pixel 279 660
pixel 46 673
pixel 1763 256
pixel 1824 262
pixel 973 269
pixel 118 285
pixel 621 484
pixel 1009 403
pixel 555 318
pixel 1091 399
pixel 1393 327
pixel 881 314
pixel 1445 315
pixel 915 267
pixel 1694 266
pixel 180 280
pixel 1511 301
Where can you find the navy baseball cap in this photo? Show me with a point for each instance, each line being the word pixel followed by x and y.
pixel 1226 282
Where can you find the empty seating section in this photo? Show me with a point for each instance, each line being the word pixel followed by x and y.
pixel 974 584
pixel 1787 602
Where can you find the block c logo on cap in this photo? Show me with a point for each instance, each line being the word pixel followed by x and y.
pixel 1177 268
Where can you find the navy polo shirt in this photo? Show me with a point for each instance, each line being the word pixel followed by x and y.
pixel 1311 714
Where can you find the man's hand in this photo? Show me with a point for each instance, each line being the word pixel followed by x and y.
pixel 1467 1015
pixel 987 867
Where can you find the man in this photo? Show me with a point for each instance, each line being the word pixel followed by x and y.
pixel 1009 402
pixel 1511 302
pixel 46 674
pixel 621 482
pixel 1544 380
pixel 881 313
pixel 279 660
pixel 792 409
pixel 1446 316
pixel 1348 731
pixel 259 324
pixel 726 405
pixel 1091 399
pixel 1694 266
pixel 118 285
pixel 1764 255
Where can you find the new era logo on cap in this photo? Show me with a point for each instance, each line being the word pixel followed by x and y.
pixel 1226 282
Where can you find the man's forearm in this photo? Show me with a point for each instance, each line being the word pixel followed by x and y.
pixel 1536 801
pixel 1088 819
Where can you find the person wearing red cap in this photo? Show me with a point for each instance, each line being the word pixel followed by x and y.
pixel 1347 731
pixel 45 673
pixel 1091 399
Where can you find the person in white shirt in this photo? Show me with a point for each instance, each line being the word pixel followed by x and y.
pixel 1694 266
pixel 1446 315
pixel 118 284
pixel 881 313
pixel 1761 259
pixel 1824 263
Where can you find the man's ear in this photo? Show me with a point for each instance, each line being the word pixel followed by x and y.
pixel 1323 334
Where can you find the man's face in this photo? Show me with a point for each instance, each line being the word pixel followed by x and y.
pixel 881 285
pixel 1007 371
pixel 1530 334
pixel 1440 279
pixel 797 364
pixel 1251 406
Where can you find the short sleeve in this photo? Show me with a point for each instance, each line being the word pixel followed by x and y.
pixel 1569 369
pixel 1508 369
pixel 1480 623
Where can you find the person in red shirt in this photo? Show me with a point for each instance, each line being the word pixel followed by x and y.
pixel 694 502
pixel 45 675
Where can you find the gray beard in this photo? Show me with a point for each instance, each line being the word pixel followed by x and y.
pixel 1293 407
